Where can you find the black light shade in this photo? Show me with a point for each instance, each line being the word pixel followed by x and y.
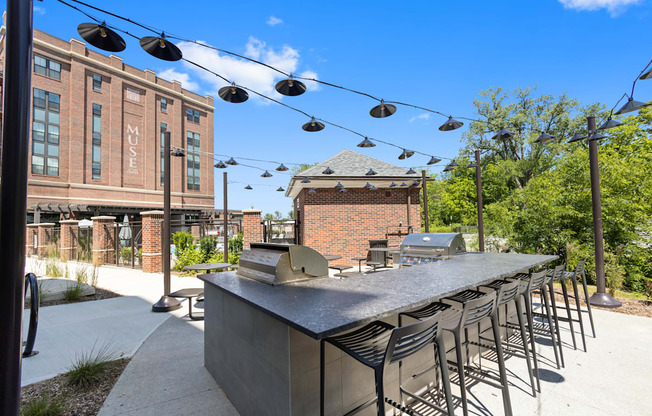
pixel 503 134
pixel 647 75
pixel 392 185
pixel 366 143
pixel 328 171
pixel 339 186
pixel 281 168
pixel 248 187
pixel 406 154
pixel 177 153
pixel 382 110
pixel 266 174
pixel 367 185
pixel 231 162
pixel 597 136
pixel 544 137
pixel 577 137
pixel 290 87
pixel 280 189
pixel 433 160
pixel 220 165
pixel 451 166
pixel 610 124
pixel 370 172
pixel 415 183
pixel 312 191
pixel 313 125
pixel 233 94
pixel 631 105
pixel 101 37
pixel 472 165
pixel 403 184
pixel 410 172
pixel 373 188
pixel 305 180
pixel 451 124
pixel 160 48
pixel 343 190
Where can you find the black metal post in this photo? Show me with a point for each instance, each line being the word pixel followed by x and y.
pixel 425 202
pixel 600 297
pixel 408 205
pixel 166 303
pixel 13 207
pixel 226 223
pixel 478 190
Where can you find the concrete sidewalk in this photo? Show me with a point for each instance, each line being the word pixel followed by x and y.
pixel 167 376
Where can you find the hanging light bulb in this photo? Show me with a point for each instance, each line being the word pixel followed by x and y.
pixel 248 187
pixel 577 137
pixel 367 185
pixel 610 124
pixel 233 94
pixel 406 154
pixel 631 105
pixel 231 162
pixel 312 191
pixel 382 110
pixel 343 190
pixel 266 174
pixel 313 125
pixel 220 165
pixel 328 171
pixel 280 189
pixel 392 185
pixel 366 143
pixel 290 87
pixel 597 136
pixel 373 188
pixel 451 124
pixel 415 183
pixel 503 134
pixel 339 186
pixel 101 37
pixel 544 137
pixel 370 172
pixel 472 165
pixel 433 160
pixel 647 75
pixel 160 48
pixel 177 153
pixel 410 172
pixel 453 164
pixel 305 180
pixel 403 184
pixel 281 168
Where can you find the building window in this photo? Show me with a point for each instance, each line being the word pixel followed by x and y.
pixel 192 147
pixel 97 141
pixel 97 82
pixel 164 128
pixel 164 105
pixel 45 133
pixel 47 67
pixel 192 115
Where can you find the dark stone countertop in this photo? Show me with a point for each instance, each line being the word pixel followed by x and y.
pixel 323 307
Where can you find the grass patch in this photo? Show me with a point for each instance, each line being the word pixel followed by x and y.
pixel 53 268
pixel 87 274
pixel 73 293
pixel 42 406
pixel 88 368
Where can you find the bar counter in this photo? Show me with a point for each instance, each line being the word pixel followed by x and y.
pixel 261 341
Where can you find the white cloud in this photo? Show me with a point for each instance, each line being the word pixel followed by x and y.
pixel 273 21
pixel 246 73
pixel 615 7
pixel 39 10
pixel 171 75
pixel 424 116
pixel 310 85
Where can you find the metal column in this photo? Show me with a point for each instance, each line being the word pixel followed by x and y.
pixel 425 202
pixel 226 223
pixel 478 190
pixel 13 207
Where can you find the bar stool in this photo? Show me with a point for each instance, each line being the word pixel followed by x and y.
pixel 579 271
pixel 547 295
pixel 379 344
pixel 559 274
pixel 511 292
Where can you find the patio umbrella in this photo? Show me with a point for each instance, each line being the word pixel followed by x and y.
pixel 125 230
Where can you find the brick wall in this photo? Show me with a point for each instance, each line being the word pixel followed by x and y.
pixel 44 236
pixel 252 231
pixel 152 251
pixel 32 231
pixel 343 223
pixel 103 240
pixel 67 247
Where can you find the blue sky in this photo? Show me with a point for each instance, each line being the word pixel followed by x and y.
pixel 438 55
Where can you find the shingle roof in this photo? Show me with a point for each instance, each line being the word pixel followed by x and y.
pixel 352 164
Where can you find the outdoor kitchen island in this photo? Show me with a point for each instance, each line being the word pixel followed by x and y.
pixel 261 341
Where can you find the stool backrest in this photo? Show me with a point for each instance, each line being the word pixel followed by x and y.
pixel 409 339
pixel 477 309
pixel 508 292
pixel 558 271
pixel 579 269
pixel 537 280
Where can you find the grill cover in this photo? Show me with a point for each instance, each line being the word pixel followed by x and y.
pixel 426 247
pixel 276 264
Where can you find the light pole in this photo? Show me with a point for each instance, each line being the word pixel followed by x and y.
pixel 166 303
pixel 226 223
pixel 478 190
pixel 425 202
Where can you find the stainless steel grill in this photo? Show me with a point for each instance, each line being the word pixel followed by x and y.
pixel 425 248
pixel 277 264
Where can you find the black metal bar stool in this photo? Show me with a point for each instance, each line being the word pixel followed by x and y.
pixel 559 275
pixel 511 292
pixel 547 295
pixel 379 344
pixel 573 276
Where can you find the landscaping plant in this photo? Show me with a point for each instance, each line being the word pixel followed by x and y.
pixel 42 406
pixel 87 368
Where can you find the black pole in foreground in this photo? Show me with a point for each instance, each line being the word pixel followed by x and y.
pixel 13 198
pixel 425 202
pixel 226 224
pixel 600 297
pixel 166 303
pixel 478 190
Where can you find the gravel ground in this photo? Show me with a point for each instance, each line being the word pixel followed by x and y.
pixel 636 307
pixel 75 400
pixel 99 295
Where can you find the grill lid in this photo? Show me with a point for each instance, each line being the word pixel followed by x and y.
pixel 435 240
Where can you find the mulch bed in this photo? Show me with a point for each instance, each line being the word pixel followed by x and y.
pixel 99 295
pixel 636 307
pixel 75 400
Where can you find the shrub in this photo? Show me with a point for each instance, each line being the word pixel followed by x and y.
pixel 207 247
pixel 52 250
pixel 182 240
pixel 42 406
pixel 53 267
pixel 614 273
pixel 234 258
pixel 188 256
pixel 73 293
pixel 87 368
pixel 87 274
pixel 236 243
pixel 125 254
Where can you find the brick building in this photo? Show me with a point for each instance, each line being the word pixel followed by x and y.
pixel 342 223
pixel 96 141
